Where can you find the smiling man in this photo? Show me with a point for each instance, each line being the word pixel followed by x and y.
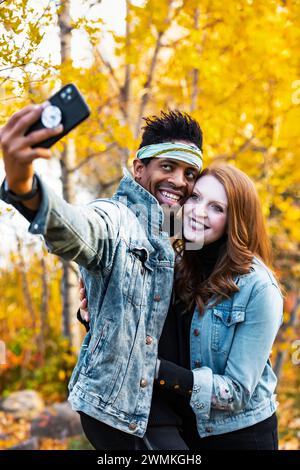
pixel 125 257
pixel 169 176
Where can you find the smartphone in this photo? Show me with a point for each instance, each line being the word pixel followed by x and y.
pixel 67 107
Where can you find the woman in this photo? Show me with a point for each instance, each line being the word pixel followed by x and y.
pixel 214 386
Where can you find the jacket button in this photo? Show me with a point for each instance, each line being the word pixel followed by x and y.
pixel 149 340
pixel 143 383
pixel 197 364
pixel 200 406
pixel 196 332
pixel 176 387
pixel 132 426
pixel 209 429
pixel 157 298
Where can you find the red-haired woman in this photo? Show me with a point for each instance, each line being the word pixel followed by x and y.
pixel 214 375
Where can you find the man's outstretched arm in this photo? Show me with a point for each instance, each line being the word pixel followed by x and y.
pixel 82 234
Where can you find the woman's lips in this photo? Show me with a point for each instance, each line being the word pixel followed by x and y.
pixel 197 226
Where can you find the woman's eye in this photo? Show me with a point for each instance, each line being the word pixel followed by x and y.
pixel 218 208
pixel 194 196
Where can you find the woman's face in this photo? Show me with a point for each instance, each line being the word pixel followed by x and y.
pixel 205 212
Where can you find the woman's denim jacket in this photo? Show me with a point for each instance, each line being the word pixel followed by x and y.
pixel 230 347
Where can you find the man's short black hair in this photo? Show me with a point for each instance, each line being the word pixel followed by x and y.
pixel 170 125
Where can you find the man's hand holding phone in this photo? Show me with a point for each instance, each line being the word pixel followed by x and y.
pixel 18 151
pixel 30 132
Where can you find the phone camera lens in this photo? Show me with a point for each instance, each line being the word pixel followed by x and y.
pixel 69 89
pixel 63 95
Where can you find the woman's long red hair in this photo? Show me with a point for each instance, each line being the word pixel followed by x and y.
pixel 246 237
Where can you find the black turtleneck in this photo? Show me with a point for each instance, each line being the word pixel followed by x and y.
pixel 172 389
pixel 208 255
pixel 175 375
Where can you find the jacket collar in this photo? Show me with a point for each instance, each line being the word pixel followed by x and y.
pixel 145 206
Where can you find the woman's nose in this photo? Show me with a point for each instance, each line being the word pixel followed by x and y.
pixel 199 210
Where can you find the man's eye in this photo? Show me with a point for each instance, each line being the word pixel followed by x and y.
pixel 166 167
pixel 191 175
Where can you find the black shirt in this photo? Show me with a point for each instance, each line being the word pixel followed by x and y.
pixel 173 387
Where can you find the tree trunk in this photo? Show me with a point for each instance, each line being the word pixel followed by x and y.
pixel 126 88
pixel 30 307
pixel 44 330
pixel 25 287
pixel 69 279
pixel 195 72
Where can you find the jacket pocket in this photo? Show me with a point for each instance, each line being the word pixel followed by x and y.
pixel 137 270
pixel 224 323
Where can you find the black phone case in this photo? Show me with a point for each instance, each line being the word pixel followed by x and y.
pixel 74 110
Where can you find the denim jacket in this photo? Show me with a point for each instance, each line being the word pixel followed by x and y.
pixel 230 347
pixel 127 263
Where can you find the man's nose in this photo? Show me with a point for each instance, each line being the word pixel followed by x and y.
pixel 178 178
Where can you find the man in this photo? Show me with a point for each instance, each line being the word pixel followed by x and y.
pixel 125 258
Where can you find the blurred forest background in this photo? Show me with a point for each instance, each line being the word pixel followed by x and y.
pixel 235 66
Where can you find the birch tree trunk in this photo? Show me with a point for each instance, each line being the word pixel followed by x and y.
pixel 70 293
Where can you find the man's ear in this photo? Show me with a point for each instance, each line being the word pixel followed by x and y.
pixel 138 168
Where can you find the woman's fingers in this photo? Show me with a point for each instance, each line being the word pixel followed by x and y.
pixel 83 310
pixel 83 301
pixel 82 293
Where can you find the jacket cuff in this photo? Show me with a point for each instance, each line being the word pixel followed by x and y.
pixel 175 378
pixel 202 392
pixel 39 223
pixel 32 216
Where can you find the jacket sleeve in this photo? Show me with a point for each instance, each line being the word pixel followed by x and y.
pixel 85 234
pixel 175 378
pixel 253 339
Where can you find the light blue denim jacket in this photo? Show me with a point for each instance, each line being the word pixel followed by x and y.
pixel 127 263
pixel 230 347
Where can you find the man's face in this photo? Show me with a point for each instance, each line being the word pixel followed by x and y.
pixel 169 181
